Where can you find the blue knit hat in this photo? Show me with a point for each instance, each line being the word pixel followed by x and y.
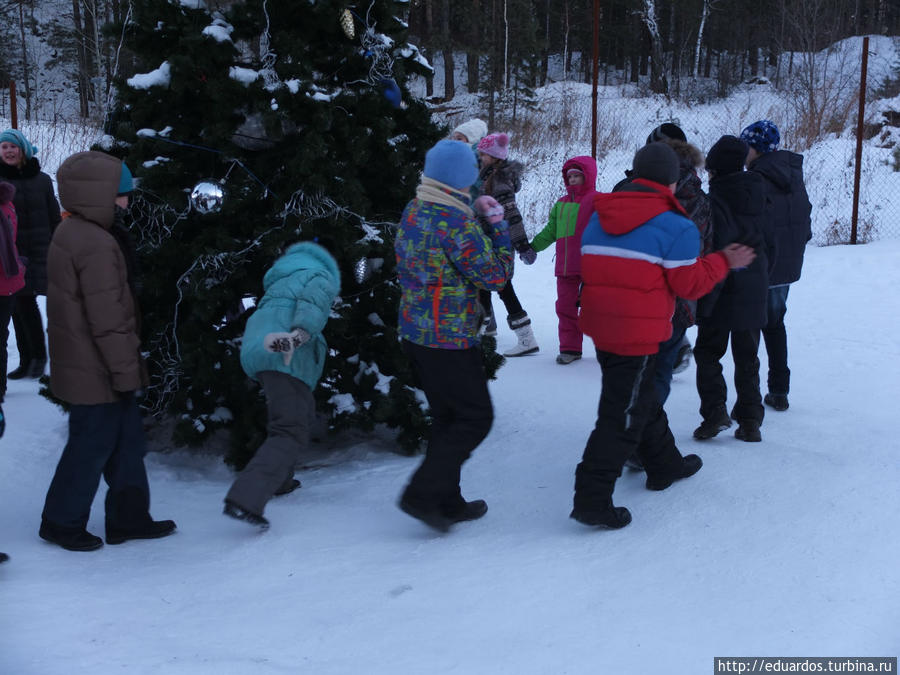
pixel 126 182
pixel 451 163
pixel 762 136
pixel 18 138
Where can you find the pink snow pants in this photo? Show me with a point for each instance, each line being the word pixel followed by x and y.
pixel 570 336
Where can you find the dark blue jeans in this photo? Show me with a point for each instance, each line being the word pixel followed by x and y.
pixel 105 439
pixel 665 362
pixel 775 337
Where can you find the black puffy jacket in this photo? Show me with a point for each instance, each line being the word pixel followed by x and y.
pixel 788 211
pixel 738 217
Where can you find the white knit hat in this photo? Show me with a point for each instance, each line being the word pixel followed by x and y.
pixel 474 130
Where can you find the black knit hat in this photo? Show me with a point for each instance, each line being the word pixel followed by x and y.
pixel 727 156
pixel 666 130
pixel 657 162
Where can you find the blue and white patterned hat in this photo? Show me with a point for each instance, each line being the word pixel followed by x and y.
pixel 763 136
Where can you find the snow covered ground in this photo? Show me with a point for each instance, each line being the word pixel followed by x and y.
pixel 787 547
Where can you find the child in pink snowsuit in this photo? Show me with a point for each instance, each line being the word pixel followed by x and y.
pixel 566 223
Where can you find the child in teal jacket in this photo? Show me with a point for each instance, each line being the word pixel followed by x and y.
pixel 284 350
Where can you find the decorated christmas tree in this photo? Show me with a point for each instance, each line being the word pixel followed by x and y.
pixel 250 125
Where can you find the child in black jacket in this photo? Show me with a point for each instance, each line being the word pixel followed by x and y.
pixel 736 308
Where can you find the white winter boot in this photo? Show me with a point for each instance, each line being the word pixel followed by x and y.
pixel 521 324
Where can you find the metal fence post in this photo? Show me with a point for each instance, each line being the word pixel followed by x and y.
pixel 859 134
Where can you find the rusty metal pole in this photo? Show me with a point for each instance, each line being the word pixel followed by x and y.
pixel 596 74
pixel 854 219
pixel 13 110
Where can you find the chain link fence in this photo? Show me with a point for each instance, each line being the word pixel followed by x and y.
pixel 817 118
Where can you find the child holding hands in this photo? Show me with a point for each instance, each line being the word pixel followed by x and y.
pixel 565 225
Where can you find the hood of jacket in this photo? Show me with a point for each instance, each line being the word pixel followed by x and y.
pixel 689 156
pixel 587 166
pixel 88 183
pixel 305 255
pixel 777 167
pixel 633 205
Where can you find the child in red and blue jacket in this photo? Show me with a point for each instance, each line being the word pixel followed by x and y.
pixel 444 258
pixel 565 225
pixel 639 251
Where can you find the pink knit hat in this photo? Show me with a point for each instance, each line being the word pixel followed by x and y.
pixel 495 145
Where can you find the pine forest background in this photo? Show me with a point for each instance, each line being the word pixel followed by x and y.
pixel 65 55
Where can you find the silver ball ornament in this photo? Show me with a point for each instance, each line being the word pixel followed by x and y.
pixel 207 197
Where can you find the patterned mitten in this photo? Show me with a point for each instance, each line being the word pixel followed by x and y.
pixel 285 343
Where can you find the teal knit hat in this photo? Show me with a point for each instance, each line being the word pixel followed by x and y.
pixel 18 138
pixel 126 182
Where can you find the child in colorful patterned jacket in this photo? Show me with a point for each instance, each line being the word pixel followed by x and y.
pixel 444 258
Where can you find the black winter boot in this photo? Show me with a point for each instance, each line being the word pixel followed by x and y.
pixel 748 430
pixel 461 511
pixel 71 539
pixel 3 557
pixel 20 372
pixel 712 426
pixel 152 529
pixel 690 464
pixel 777 401
pixel 612 517
pixel 432 514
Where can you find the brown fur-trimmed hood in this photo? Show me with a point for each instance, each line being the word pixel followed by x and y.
pixel 688 155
